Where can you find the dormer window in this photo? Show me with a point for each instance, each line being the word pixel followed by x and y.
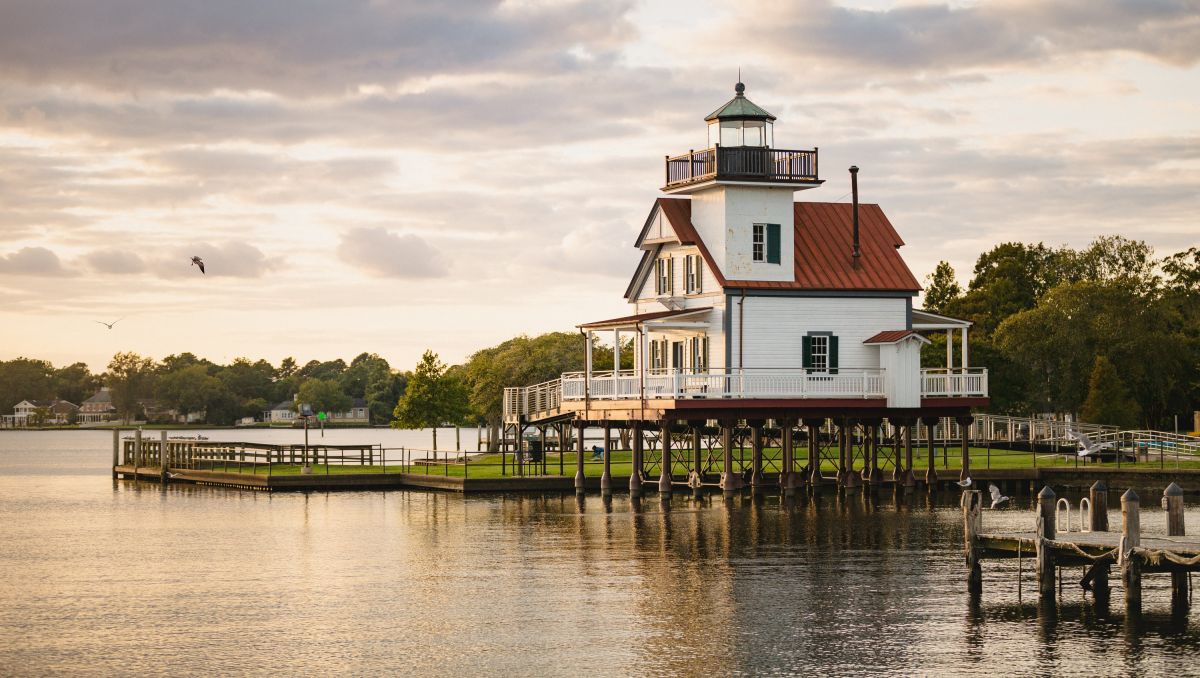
pixel 693 278
pixel 664 276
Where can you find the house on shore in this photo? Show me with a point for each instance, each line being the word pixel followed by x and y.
pixel 53 412
pixel 748 307
pixel 285 413
pixel 99 408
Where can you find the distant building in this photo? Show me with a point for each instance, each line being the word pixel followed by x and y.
pixel 98 409
pixel 281 413
pixel 56 412
pixel 285 413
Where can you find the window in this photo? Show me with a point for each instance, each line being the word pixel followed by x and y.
pixel 760 242
pixel 664 276
pixel 692 274
pixel 820 352
pixel 699 350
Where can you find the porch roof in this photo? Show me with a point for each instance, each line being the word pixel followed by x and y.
pixel 634 320
pixel 895 337
pixel 928 320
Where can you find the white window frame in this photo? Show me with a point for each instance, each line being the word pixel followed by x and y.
pixel 820 359
pixel 758 245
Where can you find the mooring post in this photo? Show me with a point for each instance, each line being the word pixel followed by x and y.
pixel 1173 499
pixel 606 475
pixel 972 502
pixel 730 481
pixel 162 458
pixel 664 477
pixel 1046 532
pixel 1131 538
pixel 116 450
pixel 1098 522
pixel 635 476
pixel 964 428
pixel 931 472
pixel 579 488
pixel 137 452
pixel 814 456
pixel 756 453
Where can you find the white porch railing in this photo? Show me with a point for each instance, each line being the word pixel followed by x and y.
pixel 845 383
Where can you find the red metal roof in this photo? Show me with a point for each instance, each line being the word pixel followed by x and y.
pixel 889 337
pixel 642 317
pixel 823 243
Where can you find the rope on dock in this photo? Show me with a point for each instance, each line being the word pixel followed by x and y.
pixel 1071 547
pixel 1155 557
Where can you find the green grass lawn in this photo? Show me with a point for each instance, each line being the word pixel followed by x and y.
pixel 491 466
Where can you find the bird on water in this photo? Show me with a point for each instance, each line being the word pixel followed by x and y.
pixel 110 325
pixel 997 498
pixel 197 261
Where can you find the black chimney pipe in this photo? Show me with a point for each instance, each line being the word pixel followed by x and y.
pixel 856 252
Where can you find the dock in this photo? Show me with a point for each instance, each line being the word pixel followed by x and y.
pixel 1098 550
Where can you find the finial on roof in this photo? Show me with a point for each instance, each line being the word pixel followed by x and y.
pixel 740 89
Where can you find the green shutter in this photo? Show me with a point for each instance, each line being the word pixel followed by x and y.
pixel 671 275
pixel 698 268
pixel 806 351
pixel 833 355
pixel 772 243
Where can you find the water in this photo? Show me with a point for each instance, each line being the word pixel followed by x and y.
pixel 100 578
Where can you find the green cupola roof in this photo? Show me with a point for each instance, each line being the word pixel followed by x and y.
pixel 739 108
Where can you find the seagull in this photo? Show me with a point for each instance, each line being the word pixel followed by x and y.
pixel 997 498
pixel 964 483
pixel 110 325
pixel 197 261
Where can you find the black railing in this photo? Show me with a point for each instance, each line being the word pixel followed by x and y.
pixel 742 163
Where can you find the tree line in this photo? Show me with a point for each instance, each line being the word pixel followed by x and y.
pixel 1109 332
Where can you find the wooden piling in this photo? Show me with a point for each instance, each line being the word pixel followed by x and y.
pixel 1098 522
pixel 730 481
pixel 697 475
pixel 910 480
pixel 635 476
pixel 162 458
pixel 787 463
pixel 137 451
pixel 1046 531
pixel 1173 498
pixel 964 427
pixel 814 456
pixel 972 503
pixel 116 445
pixel 931 472
pixel 1131 538
pixel 756 453
pixel 606 475
pixel 579 488
pixel 664 478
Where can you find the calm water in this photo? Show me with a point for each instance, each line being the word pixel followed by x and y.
pixel 101 577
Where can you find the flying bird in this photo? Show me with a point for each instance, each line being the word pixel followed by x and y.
pixel 964 483
pixel 110 325
pixel 997 498
pixel 197 261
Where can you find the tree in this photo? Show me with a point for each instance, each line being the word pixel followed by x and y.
pixel 324 395
pixel 25 379
pixel 286 368
pixel 941 288
pixel 432 398
pixel 1108 401
pixel 131 378
pixel 75 383
pixel 192 389
pixel 1183 270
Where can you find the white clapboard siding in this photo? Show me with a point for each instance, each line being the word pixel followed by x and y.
pixel 773 327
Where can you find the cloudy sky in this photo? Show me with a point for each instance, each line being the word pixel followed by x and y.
pixel 367 175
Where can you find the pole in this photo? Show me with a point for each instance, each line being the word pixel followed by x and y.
pixel 1173 498
pixel 1131 538
pixel 1047 531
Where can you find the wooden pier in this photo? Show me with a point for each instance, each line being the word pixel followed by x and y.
pixel 1094 547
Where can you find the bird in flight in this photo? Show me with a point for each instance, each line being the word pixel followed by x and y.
pixel 197 261
pixel 997 498
pixel 964 483
pixel 110 325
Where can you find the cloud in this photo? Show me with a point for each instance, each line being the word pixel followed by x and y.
pixel 941 37
pixel 115 261
pixel 34 261
pixel 387 255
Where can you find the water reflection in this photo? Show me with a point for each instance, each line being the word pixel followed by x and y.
pixel 133 578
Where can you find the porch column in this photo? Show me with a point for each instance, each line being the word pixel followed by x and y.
pixel 587 365
pixel 930 473
pixel 814 457
pixel 664 478
pixel 616 356
pixel 756 453
pixel 730 481
pixel 606 476
pixel 581 425
pixel 964 427
pixel 950 349
pixel 635 476
pixel 965 354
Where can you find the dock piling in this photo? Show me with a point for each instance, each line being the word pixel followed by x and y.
pixel 1046 531
pixel 972 504
pixel 579 489
pixel 606 476
pixel 116 449
pixel 664 476
pixel 635 475
pixel 1173 499
pixel 1131 538
pixel 162 458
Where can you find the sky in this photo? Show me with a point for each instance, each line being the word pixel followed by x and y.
pixel 366 175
